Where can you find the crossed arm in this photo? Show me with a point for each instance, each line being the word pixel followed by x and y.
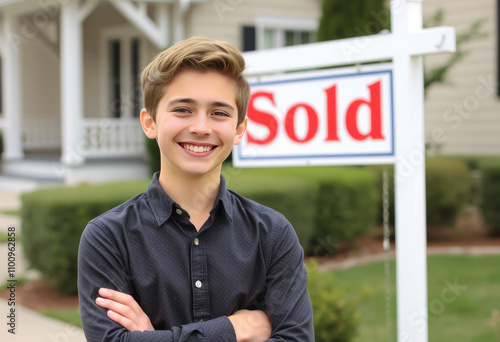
pixel 249 325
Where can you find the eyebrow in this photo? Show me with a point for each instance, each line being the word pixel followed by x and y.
pixel 193 101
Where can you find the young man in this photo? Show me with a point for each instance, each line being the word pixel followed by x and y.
pixel 189 260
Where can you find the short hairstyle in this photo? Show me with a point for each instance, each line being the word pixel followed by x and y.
pixel 200 54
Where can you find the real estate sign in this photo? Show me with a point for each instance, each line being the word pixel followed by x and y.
pixel 325 117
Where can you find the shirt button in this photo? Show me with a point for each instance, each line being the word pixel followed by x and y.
pixel 196 241
pixel 198 284
pixel 178 211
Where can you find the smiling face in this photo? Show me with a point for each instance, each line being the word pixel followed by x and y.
pixel 196 123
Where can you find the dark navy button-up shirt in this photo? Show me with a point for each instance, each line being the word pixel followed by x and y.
pixel 245 256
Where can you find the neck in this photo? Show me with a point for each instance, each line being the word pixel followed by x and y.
pixel 196 194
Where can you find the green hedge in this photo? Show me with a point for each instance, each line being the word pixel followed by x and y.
pixel 53 221
pixel 154 155
pixel 490 192
pixel 448 190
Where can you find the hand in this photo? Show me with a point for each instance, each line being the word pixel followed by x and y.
pixel 251 325
pixel 124 310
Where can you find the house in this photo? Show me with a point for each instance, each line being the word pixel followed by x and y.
pixel 462 116
pixel 71 94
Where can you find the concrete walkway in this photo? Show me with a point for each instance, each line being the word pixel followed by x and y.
pixel 30 326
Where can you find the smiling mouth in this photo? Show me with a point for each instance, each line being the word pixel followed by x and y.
pixel 198 149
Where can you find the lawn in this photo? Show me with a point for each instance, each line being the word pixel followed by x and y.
pixel 463 315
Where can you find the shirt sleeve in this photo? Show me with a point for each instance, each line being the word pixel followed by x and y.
pixel 101 264
pixel 288 303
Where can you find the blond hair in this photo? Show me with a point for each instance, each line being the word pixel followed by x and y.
pixel 201 54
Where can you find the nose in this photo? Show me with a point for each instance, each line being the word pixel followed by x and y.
pixel 200 124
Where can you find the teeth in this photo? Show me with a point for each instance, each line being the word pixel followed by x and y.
pixel 195 148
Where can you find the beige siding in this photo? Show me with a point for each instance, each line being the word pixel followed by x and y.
pixel 40 80
pixel 463 116
pixel 208 19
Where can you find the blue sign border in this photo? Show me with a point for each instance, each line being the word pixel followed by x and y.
pixel 306 79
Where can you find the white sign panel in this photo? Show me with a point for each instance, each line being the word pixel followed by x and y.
pixel 323 117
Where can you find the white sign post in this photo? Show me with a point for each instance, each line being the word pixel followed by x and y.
pixel 405 46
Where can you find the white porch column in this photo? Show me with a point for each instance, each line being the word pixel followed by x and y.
pixel 71 84
pixel 12 101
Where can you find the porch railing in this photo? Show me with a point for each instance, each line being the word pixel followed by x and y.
pixel 41 133
pixel 112 137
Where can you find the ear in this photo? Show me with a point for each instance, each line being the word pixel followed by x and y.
pixel 148 124
pixel 240 131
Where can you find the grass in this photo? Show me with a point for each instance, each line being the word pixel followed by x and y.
pixel 71 316
pixel 464 317
pixel 19 281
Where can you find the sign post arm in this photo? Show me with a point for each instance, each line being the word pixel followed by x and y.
pixel 410 211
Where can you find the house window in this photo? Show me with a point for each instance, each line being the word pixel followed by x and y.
pixel 123 94
pixel 273 32
pixel 115 78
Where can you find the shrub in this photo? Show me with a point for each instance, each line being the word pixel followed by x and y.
pixel 154 155
pixel 346 204
pixel 53 221
pixel 448 190
pixel 335 312
pixel 490 201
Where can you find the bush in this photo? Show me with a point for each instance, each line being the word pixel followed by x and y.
pixel 154 155
pixel 335 313
pixel 448 190
pixel 490 199
pixel 53 221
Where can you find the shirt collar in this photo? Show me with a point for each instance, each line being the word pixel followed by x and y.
pixel 162 205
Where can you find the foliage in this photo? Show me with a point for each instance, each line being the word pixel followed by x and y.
pixel 154 155
pixel 54 219
pixel 437 74
pixel 335 307
pixel 490 203
pixel 346 19
pixel 448 190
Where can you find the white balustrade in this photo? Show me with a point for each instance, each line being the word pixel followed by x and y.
pixel 112 137
pixel 41 133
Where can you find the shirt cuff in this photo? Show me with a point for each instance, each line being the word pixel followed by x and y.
pixel 219 330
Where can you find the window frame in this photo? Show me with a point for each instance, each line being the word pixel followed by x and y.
pixel 281 24
pixel 124 34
